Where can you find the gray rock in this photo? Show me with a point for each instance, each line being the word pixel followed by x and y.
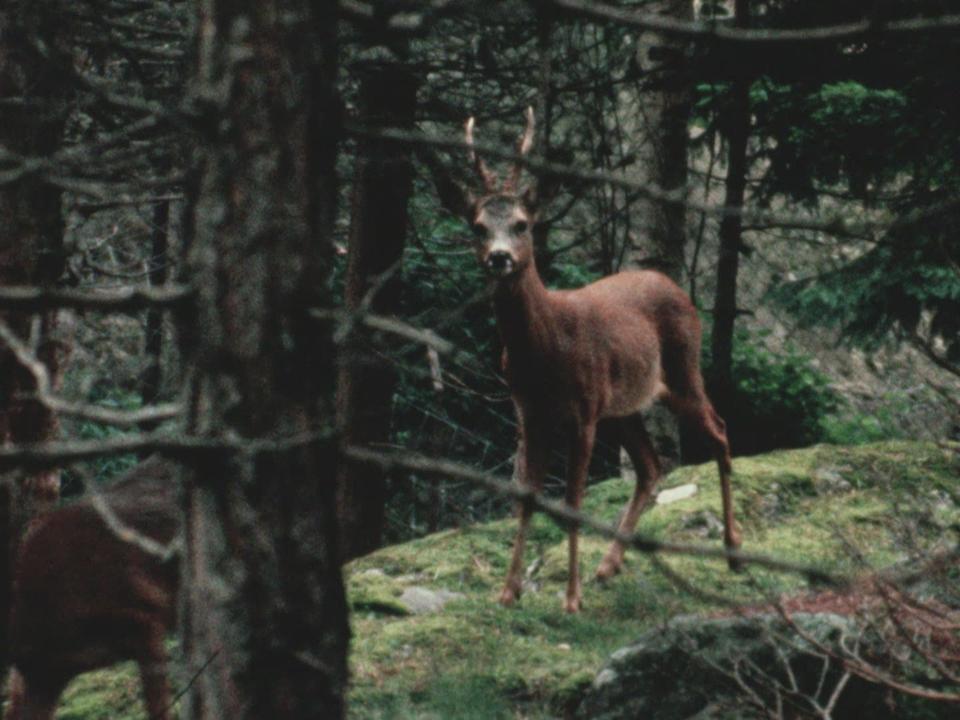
pixel 705 523
pixel 829 481
pixel 696 668
pixel 421 600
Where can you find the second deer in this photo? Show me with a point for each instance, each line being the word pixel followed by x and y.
pixel 573 357
pixel 85 597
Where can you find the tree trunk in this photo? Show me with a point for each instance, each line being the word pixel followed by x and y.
pixel 265 618
pixel 31 253
pixel 664 111
pixel 382 186
pixel 731 226
pixel 152 377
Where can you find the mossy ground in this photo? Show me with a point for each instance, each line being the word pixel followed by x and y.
pixel 475 659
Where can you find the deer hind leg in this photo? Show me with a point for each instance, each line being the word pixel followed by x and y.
pixel 578 464
pixel 153 677
pixel 636 441
pixel 697 410
pixel 529 471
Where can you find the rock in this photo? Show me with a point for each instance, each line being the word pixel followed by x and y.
pixel 675 494
pixel 771 504
pixel 829 481
pixel 692 668
pixel 371 572
pixel 421 600
pixel 705 523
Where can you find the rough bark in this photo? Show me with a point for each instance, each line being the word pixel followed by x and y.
pixel 382 186
pixel 265 618
pixel 31 253
pixel 157 273
pixel 731 230
pixel 664 110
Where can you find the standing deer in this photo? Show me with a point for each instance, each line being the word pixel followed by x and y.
pixel 574 357
pixel 85 598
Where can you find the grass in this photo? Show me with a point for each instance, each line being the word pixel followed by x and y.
pixel 475 659
pixel 533 661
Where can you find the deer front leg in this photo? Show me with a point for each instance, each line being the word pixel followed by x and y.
pixel 581 448
pixel 529 471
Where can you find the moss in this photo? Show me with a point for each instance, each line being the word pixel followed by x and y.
pixel 112 694
pixel 533 660
pixel 539 660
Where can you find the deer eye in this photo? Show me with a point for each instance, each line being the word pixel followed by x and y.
pixel 479 231
pixel 520 228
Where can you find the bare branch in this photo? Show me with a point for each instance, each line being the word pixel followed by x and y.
pixel 129 299
pixel 53 454
pixel 834 224
pixel 562 512
pixel 45 396
pixel 721 33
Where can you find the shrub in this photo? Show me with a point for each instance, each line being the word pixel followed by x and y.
pixel 780 399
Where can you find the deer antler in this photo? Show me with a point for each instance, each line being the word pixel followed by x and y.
pixel 488 178
pixel 523 147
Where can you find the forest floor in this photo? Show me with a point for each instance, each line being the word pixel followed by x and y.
pixel 846 510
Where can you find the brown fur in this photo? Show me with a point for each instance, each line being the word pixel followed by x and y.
pixel 84 598
pixel 572 358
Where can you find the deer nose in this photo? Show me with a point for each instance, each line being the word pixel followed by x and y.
pixel 499 260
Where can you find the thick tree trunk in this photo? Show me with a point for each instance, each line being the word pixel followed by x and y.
pixel 265 618
pixel 664 111
pixel 382 187
pixel 31 253
pixel 731 231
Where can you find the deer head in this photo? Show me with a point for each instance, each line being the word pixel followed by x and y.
pixel 503 217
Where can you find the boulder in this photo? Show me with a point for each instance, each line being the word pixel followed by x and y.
pixel 734 667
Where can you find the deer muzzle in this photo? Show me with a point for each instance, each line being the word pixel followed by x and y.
pixel 500 263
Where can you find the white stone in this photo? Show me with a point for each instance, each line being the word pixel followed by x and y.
pixel 675 494
pixel 605 677
pixel 420 600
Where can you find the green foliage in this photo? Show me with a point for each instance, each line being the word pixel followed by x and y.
pixel 905 286
pixel 843 124
pixel 781 400
pixel 845 427
pixel 103 468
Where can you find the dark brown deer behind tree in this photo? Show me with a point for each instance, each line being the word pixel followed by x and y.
pixel 88 594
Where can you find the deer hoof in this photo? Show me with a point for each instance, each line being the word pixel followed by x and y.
pixel 736 565
pixel 607 570
pixel 571 605
pixel 509 596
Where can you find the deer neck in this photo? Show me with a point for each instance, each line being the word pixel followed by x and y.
pixel 524 313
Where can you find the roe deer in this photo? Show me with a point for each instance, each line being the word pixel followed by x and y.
pixel 85 598
pixel 571 358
